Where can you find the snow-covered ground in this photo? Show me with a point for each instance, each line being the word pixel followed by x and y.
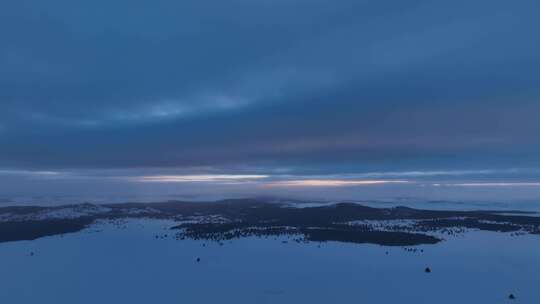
pixel 65 212
pixel 124 262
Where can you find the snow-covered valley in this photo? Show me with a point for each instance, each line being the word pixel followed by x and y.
pixel 124 262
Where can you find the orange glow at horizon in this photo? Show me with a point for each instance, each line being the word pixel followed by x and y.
pixel 331 183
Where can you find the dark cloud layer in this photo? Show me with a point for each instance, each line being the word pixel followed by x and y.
pixel 281 83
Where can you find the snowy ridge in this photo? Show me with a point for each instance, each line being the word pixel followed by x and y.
pixel 55 213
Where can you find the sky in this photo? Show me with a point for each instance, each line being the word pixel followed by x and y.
pixel 258 96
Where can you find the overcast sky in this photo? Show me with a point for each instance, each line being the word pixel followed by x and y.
pixel 268 87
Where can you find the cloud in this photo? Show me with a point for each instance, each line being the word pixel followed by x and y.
pixel 213 178
pixel 395 84
pixel 497 184
pixel 29 172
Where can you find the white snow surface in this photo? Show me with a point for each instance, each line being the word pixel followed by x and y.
pixel 113 263
pixel 67 212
